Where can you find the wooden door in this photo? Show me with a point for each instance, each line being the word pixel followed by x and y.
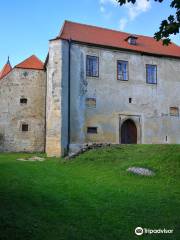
pixel 128 132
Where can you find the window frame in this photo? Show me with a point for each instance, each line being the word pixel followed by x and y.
pixel 154 65
pixel 93 76
pixel 124 80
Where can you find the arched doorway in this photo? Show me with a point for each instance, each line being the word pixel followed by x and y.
pixel 128 132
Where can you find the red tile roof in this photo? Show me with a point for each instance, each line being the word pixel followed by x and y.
pixel 31 63
pixel 6 69
pixel 111 38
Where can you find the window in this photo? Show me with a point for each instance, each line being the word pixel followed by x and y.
pixel 132 40
pixel 25 127
pixel 91 102
pixel 92 130
pixel 174 111
pixel 122 70
pixel 92 66
pixel 25 74
pixel 151 74
pixel 130 100
pixel 23 100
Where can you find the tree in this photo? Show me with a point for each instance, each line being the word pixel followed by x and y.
pixel 169 26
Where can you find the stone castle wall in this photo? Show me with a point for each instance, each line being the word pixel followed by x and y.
pixel 29 84
pixel 149 107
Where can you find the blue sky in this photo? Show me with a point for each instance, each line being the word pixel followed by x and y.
pixel 26 26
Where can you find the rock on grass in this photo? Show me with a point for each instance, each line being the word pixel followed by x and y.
pixel 141 171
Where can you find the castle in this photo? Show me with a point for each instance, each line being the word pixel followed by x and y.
pixel 96 85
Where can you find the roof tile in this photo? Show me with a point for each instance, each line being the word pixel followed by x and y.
pixel 111 38
pixel 6 69
pixel 31 63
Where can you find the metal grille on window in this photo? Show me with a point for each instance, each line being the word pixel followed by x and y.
pixel 92 68
pixel 122 70
pixel 151 74
pixel 25 127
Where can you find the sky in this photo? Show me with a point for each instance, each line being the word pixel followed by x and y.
pixel 27 26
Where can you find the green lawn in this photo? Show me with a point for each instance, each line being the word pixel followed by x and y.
pixel 91 197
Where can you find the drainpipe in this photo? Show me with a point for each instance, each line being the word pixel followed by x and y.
pixel 69 95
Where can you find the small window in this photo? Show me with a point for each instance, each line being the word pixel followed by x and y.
pixel 92 66
pixel 92 130
pixel 132 40
pixel 174 111
pixel 25 127
pixel 23 100
pixel 91 102
pixel 122 70
pixel 25 74
pixel 151 74
pixel 130 100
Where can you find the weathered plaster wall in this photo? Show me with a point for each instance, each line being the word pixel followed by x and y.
pixel 57 101
pixel 30 84
pixel 150 103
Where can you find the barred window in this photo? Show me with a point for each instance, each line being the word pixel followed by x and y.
pixel 92 66
pixel 151 74
pixel 25 127
pixel 122 70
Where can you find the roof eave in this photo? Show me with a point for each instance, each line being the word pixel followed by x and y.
pixel 118 48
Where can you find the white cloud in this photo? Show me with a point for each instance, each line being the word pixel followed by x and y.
pixel 108 1
pixel 133 10
pixel 122 23
pixel 136 9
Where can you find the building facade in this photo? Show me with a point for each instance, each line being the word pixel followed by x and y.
pixel 103 86
pixel 22 108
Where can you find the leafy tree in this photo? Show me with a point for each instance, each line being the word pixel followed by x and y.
pixel 169 26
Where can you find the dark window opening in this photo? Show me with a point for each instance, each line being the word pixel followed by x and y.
pixel 130 100
pixel 92 130
pixel 92 66
pixel 151 74
pixel 23 100
pixel 122 70
pixel 25 127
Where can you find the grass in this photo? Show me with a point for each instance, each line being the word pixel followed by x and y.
pixel 92 197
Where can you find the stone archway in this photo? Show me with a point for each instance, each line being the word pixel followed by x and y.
pixel 128 132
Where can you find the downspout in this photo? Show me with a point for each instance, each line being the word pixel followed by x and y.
pixel 45 124
pixel 69 95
